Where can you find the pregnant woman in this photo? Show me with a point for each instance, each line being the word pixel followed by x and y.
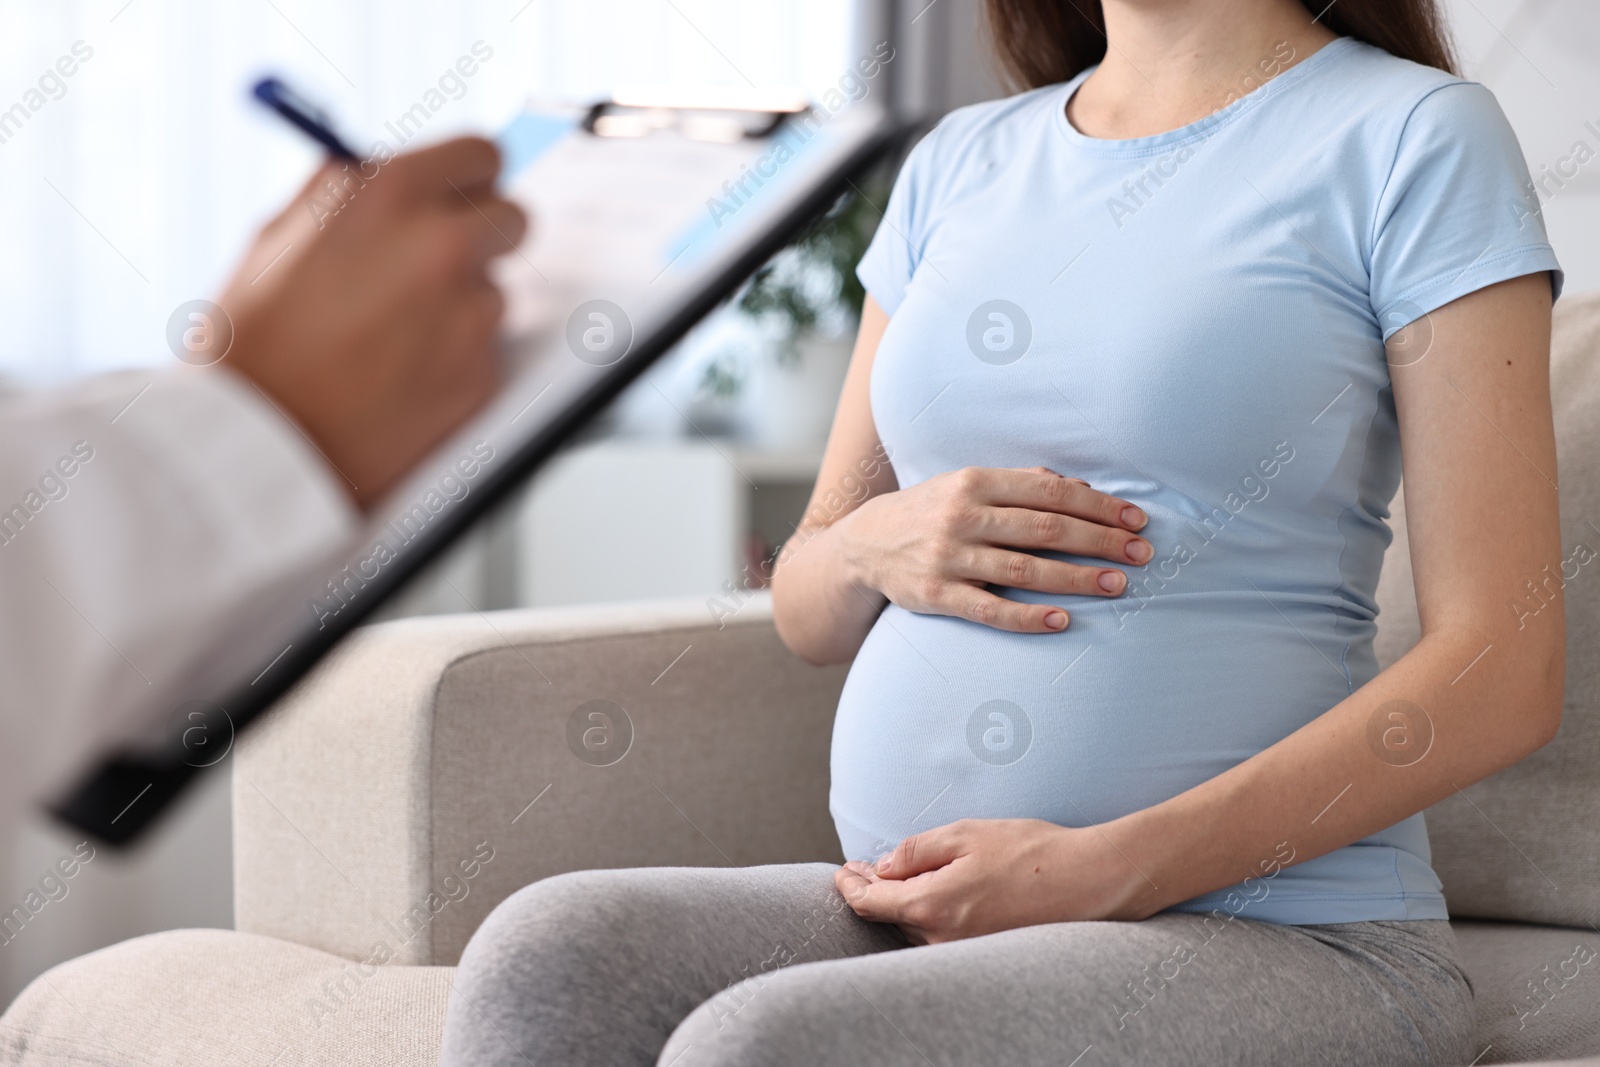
pixel 1100 524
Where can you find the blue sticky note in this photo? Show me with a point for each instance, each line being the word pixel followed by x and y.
pixel 751 184
pixel 529 136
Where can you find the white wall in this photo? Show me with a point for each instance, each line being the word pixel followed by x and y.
pixel 1542 59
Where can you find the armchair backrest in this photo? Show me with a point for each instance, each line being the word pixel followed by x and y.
pixel 434 766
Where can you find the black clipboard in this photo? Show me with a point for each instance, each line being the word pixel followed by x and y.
pixel 781 193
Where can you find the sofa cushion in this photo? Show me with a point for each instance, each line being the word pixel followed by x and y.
pixel 207 997
pixel 1536 990
pixel 1524 844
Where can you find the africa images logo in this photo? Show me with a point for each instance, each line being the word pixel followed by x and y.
pixel 999 732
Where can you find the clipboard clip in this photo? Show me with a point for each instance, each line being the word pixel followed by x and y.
pixel 718 114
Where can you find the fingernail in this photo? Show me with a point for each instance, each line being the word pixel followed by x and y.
pixel 1112 581
pixel 1139 551
pixel 1056 620
pixel 1132 517
pixel 882 866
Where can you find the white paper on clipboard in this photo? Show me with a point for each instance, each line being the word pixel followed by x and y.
pixel 608 212
pixel 637 223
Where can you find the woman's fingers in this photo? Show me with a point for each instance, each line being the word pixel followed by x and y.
pixel 1023 528
pixel 1018 570
pixel 881 900
pixel 920 853
pixel 851 882
pixel 935 547
pixel 1041 489
pixel 979 605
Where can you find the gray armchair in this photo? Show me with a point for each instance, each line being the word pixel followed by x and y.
pixel 433 766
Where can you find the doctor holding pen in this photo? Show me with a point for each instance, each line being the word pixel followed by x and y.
pixel 142 511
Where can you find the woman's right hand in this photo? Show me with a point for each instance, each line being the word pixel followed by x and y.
pixel 935 547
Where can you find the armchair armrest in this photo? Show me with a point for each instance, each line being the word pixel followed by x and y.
pixel 433 766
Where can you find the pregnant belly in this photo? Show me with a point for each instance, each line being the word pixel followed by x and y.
pixel 942 719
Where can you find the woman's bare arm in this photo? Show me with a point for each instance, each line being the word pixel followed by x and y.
pixel 820 615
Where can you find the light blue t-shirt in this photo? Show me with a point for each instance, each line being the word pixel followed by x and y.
pixel 1193 321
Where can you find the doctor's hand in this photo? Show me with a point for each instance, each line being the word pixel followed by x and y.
pixel 934 547
pixel 365 311
pixel 981 876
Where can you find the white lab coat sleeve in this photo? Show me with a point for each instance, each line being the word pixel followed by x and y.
pixel 140 513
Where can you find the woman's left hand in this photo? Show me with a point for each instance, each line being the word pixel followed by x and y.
pixel 981 876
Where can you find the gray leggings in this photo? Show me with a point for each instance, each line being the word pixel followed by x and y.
pixel 768 965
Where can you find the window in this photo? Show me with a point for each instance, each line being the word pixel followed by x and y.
pixel 131 184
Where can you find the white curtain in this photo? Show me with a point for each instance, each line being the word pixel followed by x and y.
pixel 130 184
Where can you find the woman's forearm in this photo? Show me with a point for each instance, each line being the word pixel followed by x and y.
pixel 821 612
pixel 1447 714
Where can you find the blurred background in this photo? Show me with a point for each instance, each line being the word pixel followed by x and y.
pixel 137 183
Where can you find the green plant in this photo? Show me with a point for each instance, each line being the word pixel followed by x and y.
pixel 811 285
pixel 721 379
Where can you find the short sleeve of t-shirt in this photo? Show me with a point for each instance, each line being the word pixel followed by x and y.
pixel 896 249
pixel 1458 212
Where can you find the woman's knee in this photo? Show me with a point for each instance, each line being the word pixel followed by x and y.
pixel 558 923
pixel 784 1018
pixel 550 972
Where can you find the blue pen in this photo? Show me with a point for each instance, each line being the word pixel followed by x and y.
pixel 293 107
